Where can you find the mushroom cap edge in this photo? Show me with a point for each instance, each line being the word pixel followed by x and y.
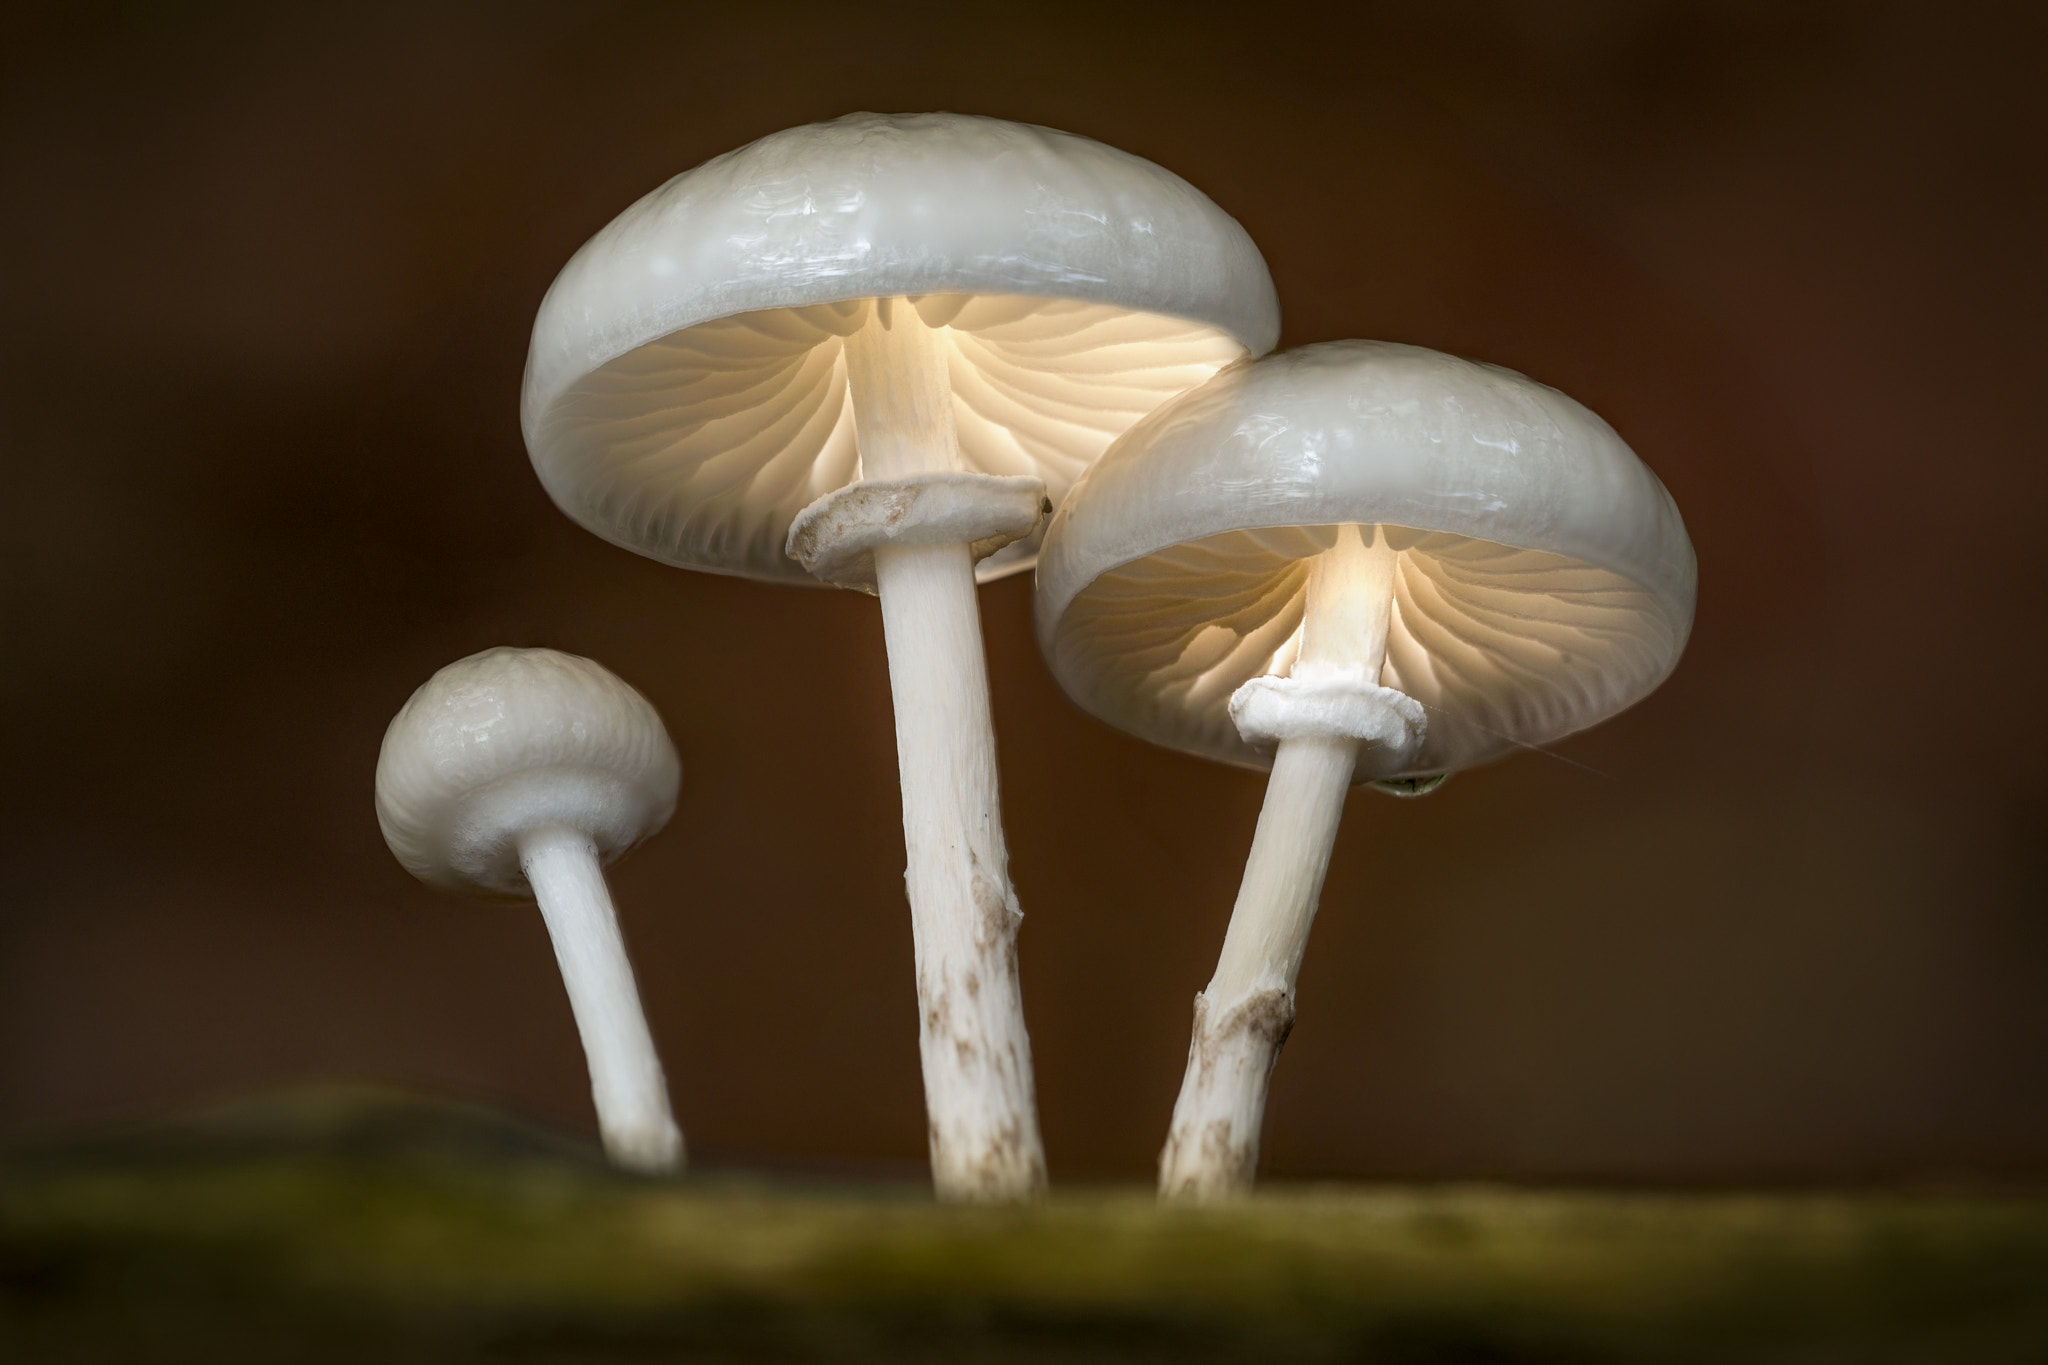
pixel 785 221
pixel 1374 433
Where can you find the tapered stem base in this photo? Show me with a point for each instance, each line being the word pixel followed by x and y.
pixel 626 1082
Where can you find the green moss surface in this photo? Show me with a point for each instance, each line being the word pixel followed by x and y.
pixel 330 1225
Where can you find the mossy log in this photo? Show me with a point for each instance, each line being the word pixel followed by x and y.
pixel 355 1225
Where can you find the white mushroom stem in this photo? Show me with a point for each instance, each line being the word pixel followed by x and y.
pixel 1244 1014
pixel 982 1115
pixel 902 394
pixel 626 1081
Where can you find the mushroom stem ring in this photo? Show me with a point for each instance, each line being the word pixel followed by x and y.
pixel 836 537
pixel 1321 716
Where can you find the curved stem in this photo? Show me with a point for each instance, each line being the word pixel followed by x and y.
pixel 626 1082
pixel 982 1115
pixel 1244 1014
pixel 1247 1009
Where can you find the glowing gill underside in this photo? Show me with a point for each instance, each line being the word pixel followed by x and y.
pixel 1503 647
pixel 698 449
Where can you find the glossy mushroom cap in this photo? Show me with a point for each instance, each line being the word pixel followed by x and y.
pixel 1544 578
pixel 685 393
pixel 509 741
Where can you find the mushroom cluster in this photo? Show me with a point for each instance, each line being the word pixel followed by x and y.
pixel 908 355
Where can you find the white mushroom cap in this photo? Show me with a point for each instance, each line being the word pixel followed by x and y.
pixel 685 395
pixel 509 741
pixel 1544 579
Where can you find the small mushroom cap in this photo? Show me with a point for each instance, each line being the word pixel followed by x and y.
pixel 1544 579
pixel 685 395
pixel 513 740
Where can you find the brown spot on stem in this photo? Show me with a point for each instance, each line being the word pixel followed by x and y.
pixel 1004 1168
pixel 1225 1151
pixel 996 913
pixel 1266 1017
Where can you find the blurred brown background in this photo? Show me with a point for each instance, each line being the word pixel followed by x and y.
pixel 266 277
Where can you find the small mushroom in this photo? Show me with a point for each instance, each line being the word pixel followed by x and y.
pixel 522 772
pixel 1353 562
pixel 873 353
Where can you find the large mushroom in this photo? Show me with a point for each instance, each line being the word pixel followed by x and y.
pixel 1354 562
pixel 871 353
pixel 522 772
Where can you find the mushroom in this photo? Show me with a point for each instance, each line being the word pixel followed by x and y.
pixel 522 772
pixel 1354 562
pixel 872 353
